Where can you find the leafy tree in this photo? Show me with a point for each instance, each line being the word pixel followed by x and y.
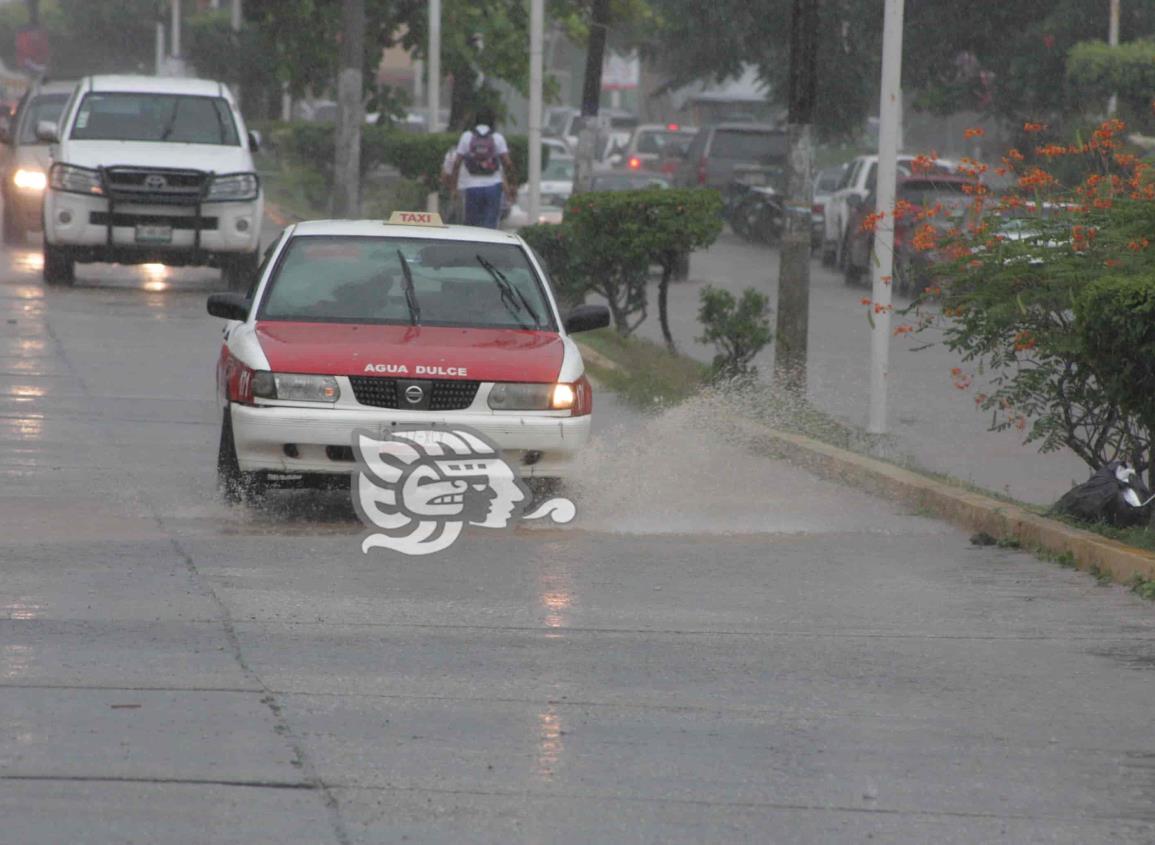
pixel 739 328
pixel 1017 267
pixel 1096 71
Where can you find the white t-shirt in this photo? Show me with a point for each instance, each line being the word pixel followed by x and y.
pixel 465 179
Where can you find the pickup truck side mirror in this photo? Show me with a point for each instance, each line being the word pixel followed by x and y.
pixel 229 306
pixel 854 201
pixel 586 318
pixel 254 140
pixel 47 132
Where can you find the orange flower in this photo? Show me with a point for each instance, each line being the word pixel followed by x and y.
pixel 1051 150
pixel 923 164
pixel 1014 155
pixel 1024 340
pixel 866 300
pixel 1020 422
pixel 1034 127
pixel 1139 245
pixel 925 238
pixel 1036 178
pixel 886 279
pixel 903 329
pixel 975 132
pixel 871 221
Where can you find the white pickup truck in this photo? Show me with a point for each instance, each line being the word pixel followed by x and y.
pixel 151 169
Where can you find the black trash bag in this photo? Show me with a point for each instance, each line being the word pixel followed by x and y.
pixel 1114 495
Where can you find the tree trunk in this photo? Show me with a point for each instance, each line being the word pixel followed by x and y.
pixel 591 97
pixel 794 260
pixel 663 310
pixel 350 85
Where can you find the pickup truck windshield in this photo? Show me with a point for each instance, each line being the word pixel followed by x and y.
pixel 177 119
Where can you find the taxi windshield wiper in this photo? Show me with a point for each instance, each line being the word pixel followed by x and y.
pixel 509 294
pixel 410 293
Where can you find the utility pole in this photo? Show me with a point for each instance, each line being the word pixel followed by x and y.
pixel 176 22
pixel 536 73
pixel 350 85
pixel 236 15
pixel 434 65
pixel 888 113
pixel 159 42
pixel 591 97
pixel 794 260
pixel 1113 41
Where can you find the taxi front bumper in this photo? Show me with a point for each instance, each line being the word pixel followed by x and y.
pixel 318 441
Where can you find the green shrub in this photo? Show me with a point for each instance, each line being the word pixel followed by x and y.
pixel 738 328
pixel 553 245
pixel 1115 316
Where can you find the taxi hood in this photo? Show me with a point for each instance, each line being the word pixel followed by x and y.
pixel 411 351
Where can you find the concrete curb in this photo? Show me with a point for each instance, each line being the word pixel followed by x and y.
pixel 972 511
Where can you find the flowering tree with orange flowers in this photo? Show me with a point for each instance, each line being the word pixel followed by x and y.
pixel 1010 271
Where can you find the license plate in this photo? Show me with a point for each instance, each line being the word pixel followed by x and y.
pixel 149 233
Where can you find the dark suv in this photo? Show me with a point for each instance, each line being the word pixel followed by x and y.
pixel 754 153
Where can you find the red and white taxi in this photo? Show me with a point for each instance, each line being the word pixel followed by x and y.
pixel 366 325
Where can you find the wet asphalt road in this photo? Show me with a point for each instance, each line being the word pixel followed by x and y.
pixel 722 649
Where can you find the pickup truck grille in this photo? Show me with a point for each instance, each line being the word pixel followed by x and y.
pixel 155 186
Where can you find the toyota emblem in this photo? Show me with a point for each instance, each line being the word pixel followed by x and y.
pixel 414 394
pixel 155 181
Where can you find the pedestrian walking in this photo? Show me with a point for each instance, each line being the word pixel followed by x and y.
pixel 482 168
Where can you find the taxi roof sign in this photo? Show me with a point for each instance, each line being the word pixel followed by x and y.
pixel 415 218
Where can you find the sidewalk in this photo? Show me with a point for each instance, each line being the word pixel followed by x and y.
pixel 933 422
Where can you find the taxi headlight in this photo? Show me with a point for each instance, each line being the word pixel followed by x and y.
pixel 236 187
pixel 30 180
pixel 296 388
pixel 514 396
pixel 75 180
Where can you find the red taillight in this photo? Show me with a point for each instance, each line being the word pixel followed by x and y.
pixel 635 163
pixel 702 170
pixel 584 398
pixel 817 208
pixel 673 127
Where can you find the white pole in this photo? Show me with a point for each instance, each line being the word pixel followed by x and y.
pixel 888 112
pixel 237 16
pixel 434 65
pixel 176 29
pixel 1113 40
pixel 536 41
pixel 159 47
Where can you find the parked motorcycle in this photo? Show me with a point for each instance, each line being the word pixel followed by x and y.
pixel 755 212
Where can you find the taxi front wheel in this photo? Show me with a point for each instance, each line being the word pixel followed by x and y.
pixel 235 484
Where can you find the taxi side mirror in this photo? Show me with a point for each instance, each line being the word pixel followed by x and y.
pixel 229 306
pixel 586 318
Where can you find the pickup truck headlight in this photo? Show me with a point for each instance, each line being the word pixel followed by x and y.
pixel 514 396
pixel 75 180
pixel 295 388
pixel 236 187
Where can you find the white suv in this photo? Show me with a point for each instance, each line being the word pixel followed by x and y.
pixel 151 169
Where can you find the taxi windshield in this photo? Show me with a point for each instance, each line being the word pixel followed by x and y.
pixel 406 281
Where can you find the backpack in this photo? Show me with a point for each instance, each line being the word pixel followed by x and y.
pixel 482 157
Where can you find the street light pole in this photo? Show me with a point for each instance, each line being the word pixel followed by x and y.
pixel 176 50
pixel 1113 41
pixel 434 64
pixel 536 41
pixel 888 114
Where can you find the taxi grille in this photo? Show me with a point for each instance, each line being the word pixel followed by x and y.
pixel 445 394
pixel 452 395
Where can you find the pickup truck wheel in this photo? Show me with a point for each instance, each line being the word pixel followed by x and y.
pixel 59 267
pixel 238 273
